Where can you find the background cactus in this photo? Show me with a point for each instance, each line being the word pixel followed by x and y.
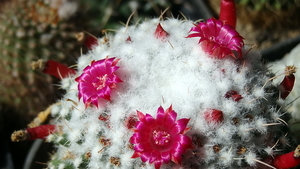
pixel 159 66
pixel 32 30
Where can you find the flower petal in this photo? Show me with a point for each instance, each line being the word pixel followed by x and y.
pixel 179 126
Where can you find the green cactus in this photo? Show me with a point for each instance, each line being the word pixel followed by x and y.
pixel 32 30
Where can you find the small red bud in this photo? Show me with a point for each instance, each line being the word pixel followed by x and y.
pixel 90 42
pixel 131 121
pixel 39 132
pixel 104 117
pixel 288 160
pixel 228 12
pixel 234 95
pixel 57 69
pixel 160 33
pixel 128 40
pixel 286 86
pixel 213 116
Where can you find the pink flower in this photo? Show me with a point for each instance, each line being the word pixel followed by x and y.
pixel 97 80
pixel 162 139
pixel 218 39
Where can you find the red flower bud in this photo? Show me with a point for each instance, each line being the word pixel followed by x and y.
pixel 286 86
pixel 90 42
pixel 213 116
pixel 57 69
pixel 131 121
pixel 234 95
pixel 289 160
pixel 40 132
pixel 160 33
pixel 228 12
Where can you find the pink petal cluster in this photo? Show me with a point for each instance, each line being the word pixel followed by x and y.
pixel 218 39
pixel 160 140
pixel 97 80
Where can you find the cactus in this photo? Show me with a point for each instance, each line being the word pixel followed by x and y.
pixel 32 30
pixel 170 94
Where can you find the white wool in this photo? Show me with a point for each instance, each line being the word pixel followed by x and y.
pixel 77 162
pixel 250 158
pixel 226 157
pixel 61 166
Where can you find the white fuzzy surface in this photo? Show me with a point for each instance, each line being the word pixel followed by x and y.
pixel 162 73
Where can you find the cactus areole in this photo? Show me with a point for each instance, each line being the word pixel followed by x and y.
pixel 116 112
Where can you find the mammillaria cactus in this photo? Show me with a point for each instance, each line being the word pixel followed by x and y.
pixel 170 94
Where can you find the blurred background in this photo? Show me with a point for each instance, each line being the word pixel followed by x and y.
pixel 46 29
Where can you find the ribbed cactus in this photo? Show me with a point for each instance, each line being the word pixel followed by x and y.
pixel 31 30
pixel 170 94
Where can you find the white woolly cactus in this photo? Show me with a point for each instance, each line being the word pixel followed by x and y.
pixel 153 96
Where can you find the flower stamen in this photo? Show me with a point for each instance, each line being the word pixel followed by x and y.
pixel 161 137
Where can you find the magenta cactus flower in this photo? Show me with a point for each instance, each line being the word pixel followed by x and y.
pixel 160 140
pixel 218 39
pixel 97 80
